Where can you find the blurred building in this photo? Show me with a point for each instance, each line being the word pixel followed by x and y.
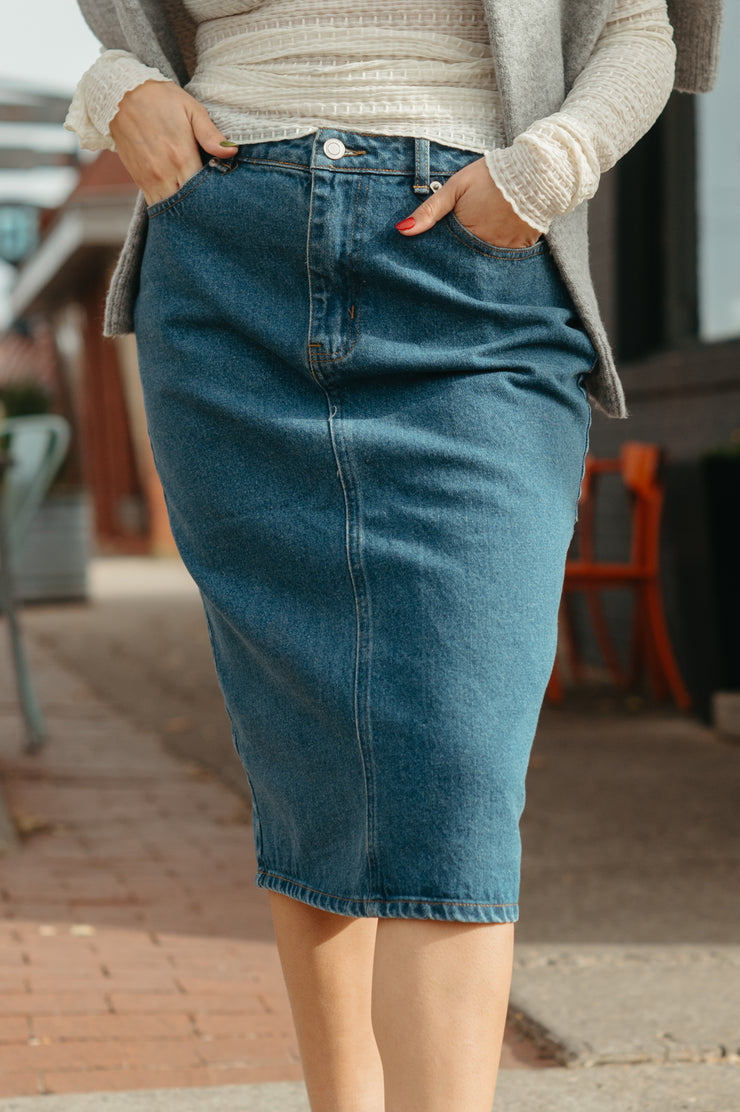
pixel 64 282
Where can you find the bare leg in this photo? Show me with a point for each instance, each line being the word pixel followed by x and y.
pixel 327 963
pixel 440 996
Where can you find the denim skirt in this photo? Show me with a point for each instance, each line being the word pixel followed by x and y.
pixel 371 449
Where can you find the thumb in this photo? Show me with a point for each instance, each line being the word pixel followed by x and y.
pixel 210 138
pixel 429 212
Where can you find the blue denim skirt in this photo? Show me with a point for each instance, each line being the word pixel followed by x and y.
pixel 371 449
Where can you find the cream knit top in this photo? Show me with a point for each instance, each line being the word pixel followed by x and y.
pixel 270 69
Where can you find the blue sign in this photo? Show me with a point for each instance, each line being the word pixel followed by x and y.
pixel 19 231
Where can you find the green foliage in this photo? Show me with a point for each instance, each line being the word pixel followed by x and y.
pixel 22 399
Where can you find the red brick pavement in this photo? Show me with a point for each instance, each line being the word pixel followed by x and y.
pixel 135 951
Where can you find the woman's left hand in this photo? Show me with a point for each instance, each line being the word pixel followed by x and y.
pixel 478 204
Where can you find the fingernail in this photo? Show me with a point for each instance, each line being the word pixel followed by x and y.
pixel 227 143
pixel 405 225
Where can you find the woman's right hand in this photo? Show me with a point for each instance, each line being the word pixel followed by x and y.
pixel 159 131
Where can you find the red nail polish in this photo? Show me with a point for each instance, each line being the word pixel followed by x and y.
pixel 404 225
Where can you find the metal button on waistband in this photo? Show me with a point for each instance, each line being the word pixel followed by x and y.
pixel 435 186
pixel 334 148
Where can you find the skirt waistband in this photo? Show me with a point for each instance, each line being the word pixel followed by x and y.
pixel 352 152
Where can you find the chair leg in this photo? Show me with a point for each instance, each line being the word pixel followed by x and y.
pixel 653 664
pixel 554 689
pixel 639 639
pixel 603 636
pixel 567 629
pixel 32 714
pixel 662 645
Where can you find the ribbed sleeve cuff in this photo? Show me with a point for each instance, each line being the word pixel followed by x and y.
pixel 697 59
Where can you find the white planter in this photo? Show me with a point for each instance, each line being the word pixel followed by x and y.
pixel 54 562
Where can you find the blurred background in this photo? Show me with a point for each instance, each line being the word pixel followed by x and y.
pixel 665 246
pixel 135 953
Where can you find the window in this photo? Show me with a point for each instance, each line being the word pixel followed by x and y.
pixel 718 194
pixel 656 236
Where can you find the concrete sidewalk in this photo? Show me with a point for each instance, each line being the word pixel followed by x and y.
pixel 137 954
pixel 610 1089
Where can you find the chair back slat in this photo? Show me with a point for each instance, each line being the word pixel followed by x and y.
pixel 639 467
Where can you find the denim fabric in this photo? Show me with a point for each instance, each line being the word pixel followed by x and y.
pixel 371 449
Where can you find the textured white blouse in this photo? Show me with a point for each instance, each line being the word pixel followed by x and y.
pixel 270 69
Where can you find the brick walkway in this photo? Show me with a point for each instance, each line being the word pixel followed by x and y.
pixel 135 951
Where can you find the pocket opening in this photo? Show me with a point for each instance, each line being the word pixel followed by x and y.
pixel 475 243
pixel 187 187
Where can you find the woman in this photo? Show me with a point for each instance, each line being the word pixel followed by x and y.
pixel 366 331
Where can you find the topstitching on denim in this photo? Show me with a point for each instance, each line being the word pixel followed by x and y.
pixel 184 191
pixel 421 177
pixel 375 899
pixel 217 165
pixel 363 623
pixel 428 161
pixel 354 243
pixel 350 496
pixel 512 254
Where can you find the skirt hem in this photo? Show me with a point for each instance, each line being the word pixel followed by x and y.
pixel 403 907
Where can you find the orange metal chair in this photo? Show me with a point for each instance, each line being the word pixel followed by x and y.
pixel 640 468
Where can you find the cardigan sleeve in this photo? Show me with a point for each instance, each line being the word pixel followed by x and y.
pixel 99 93
pixel 697 29
pixel 557 162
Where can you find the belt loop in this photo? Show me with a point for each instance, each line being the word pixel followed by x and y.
pixel 421 160
pixel 224 165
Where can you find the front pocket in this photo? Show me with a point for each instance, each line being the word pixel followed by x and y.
pixel 185 189
pixel 513 254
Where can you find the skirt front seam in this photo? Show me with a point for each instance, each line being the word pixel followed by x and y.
pixel 358 579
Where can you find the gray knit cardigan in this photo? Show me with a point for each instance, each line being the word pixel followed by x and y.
pixel 537 59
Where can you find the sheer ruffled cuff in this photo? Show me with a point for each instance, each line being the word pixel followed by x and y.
pixel 556 164
pixel 100 92
pixel 547 171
